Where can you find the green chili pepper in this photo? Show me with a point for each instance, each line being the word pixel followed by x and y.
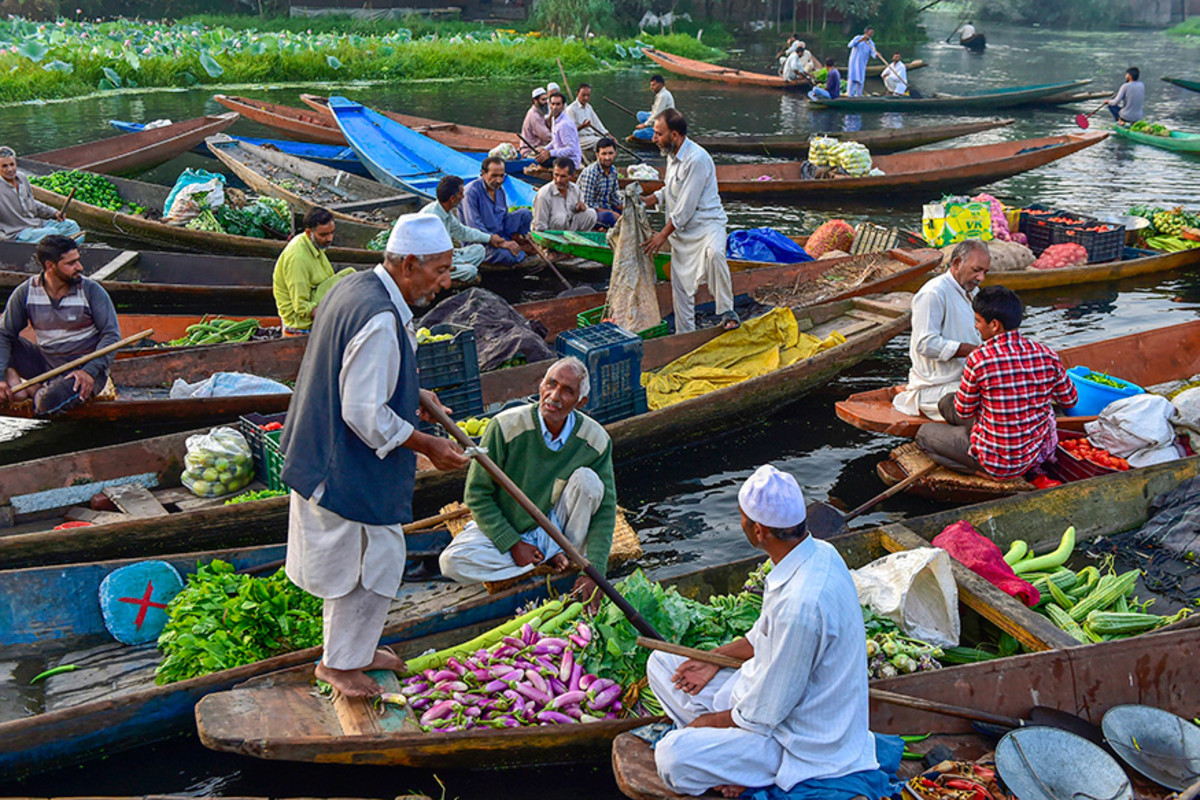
pixel 52 671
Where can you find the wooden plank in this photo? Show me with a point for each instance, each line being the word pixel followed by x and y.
pixel 368 205
pixel 136 500
pixel 81 493
pixel 843 327
pixel 858 313
pixel 356 715
pixel 124 259
pixel 80 514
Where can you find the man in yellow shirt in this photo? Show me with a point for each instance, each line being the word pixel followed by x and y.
pixel 303 273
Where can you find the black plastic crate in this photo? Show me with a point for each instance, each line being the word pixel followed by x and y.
pixel 451 362
pixel 1042 233
pixel 1101 246
pixel 251 426
pixel 613 357
pixel 628 406
pixel 1032 212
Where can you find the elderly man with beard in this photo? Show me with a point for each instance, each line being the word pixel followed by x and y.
pixel 303 274
pixel 71 316
pixel 562 460
pixel 535 130
pixel 350 449
pixel 695 224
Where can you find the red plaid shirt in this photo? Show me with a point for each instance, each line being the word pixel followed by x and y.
pixel 1009 384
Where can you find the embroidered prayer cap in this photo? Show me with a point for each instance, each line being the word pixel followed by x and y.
pixel 552 87
pixel 538 92
pixel 772 498
pixel 419 235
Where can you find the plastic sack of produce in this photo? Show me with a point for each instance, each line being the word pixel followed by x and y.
pixel 836 234
pixel 914 589
pixel 227 384
pixel 853 157
pixel 1000 229
pixel 506 150
pixel 642 172
pixel 194 191
pixel 820 151
pixel 764 244
pixel 1137 429
pixel 983 557
pixel 217 463
pixel 1059 256
pixel 952 222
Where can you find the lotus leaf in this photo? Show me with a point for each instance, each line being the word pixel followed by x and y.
pixel 210 65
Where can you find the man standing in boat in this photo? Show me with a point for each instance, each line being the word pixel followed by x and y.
pixel 71 316
pixel 303 274
pixel 23 217
pixel 471 243
pixel 943 331
pixel 485 208
pixel 350 449
pixel 663 100
pixel 535 130
pixel 795 714
pixel 862 49
pixel 695 224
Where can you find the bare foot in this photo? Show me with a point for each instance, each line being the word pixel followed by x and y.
pixel 728 790
pixel 386 658
pixel 559 563
pixel 349 682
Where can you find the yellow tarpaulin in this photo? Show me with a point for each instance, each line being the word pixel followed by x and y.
pixel 760 346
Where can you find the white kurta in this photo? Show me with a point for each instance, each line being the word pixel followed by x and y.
pixel 942 319
pixel 861 51
pixel 555 212
pixel 662 101
pixel 895 77
pixel 588 136
pixel 791 68
pixel 690 199
pixel 800 704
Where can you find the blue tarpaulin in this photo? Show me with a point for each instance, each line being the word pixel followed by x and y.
pixel 764 244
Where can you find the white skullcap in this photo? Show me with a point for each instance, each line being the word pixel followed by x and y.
pixel 801 44
pixel 772 498
pixel 538 92
pixel 419 235
pixel 552 87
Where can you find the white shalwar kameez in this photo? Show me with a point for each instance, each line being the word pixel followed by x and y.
pixel 800 704
pixel 861 50
pixel 690 200
pixel 356 568
pixel 942 320
pixel 895 77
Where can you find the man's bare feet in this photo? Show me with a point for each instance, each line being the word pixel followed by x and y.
pixel 386 658
pixel 349 682
pixel 729 790
pixel 559 562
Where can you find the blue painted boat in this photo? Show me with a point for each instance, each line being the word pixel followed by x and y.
pixel 399 156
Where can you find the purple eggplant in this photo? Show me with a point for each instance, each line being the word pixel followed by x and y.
pixel 553 717
pixel 564 669
pixel 438 711
pixel 556 686
pixel 533 693
pixel 535 678
pixel 578 641
pixel 585 681
pixel 567 699
pixel 495 686
pixel 450 686
pixel 576 674
pixel 414 688
pixel 604 698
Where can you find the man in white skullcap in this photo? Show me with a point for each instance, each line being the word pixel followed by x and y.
pixel 535 129
pixel 350 448
pixel 796 711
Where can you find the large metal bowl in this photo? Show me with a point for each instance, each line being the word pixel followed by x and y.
pixel 1040 763
pixel 1163 747
pixel 1133 225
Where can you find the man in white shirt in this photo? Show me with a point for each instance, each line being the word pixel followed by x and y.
pixel 796 712
pixel 559 206
pixel 350 449
pixel 587 121
pixel 662 101
pixel 967 32
pixel 943 331
pixel 470 250
pixel 895 76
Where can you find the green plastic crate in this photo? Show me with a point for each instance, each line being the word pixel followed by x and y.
pixel 593 316
pixel 273 462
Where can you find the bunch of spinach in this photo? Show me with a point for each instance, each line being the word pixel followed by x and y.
pixel 223 620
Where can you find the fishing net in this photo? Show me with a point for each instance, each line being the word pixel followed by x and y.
pixel 632 302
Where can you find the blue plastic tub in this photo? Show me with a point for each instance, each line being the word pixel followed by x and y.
pixel 1093 397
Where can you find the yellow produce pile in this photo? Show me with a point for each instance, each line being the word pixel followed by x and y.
pixel 425 336
pixel 472 426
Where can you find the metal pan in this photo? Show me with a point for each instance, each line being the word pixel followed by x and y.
pixel 1041 763
pixel 1163 747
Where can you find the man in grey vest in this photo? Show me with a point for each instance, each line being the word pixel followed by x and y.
pixel 350 449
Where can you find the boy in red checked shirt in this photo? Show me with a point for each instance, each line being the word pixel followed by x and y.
pixel 1000 423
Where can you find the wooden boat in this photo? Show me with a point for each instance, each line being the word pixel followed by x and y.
pixel 1085 681
pixel 714 72
pixel 1070 97
pixel 989 101
pixel 451 134
pixel 278 717
pixel 921 172
pixel 887 140
pixel 976 43
pixel 1183 83
pixel 304 185
pixel 295 123
pixel 1149 358
pixel 152 196
pixel 1178 141
pixel 399 156
pixel 133 152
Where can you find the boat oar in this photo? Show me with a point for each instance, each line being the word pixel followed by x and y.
pixel 70 365
pixel 563 73
pixel 546 260
pixel 623 108
pixel 67 204
pixel 825 521
pixel 956 30
pixel 637 620
pixel 1082 119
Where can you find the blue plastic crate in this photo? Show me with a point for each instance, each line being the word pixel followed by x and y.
pixel 451 362
pixel 613 357
pixel 465 400
pixel 629 406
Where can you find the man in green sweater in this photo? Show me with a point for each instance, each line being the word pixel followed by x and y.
pixel 562 460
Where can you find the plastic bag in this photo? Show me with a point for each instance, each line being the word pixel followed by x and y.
pixel 1000 229
pixel 194 191
pixel 227 384
pixel 218 463
pixel 952 222
pixel 506 150
pixel 916 590
pixel 642 172
pixel 764 244
pixel 1137 429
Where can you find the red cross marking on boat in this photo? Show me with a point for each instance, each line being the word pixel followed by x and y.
pixel 145 603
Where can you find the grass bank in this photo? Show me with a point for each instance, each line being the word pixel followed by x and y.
pixel 1189 28
pixel 69 59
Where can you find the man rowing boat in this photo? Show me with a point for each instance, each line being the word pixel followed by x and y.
pixel 862 48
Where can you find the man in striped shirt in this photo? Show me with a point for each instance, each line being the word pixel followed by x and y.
pixel 1001 420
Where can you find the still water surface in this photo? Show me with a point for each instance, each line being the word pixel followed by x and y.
pixel 689 494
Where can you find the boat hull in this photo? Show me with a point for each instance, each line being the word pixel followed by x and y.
pixel 1006 98
pixel 1178 141
pixel 140 150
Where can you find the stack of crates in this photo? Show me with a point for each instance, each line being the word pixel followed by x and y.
pixel 450 368
pixel 264 447
pixel 613 357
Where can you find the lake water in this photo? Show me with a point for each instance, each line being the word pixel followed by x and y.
pixel 689 494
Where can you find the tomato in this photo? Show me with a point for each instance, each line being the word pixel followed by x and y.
pixel 273 426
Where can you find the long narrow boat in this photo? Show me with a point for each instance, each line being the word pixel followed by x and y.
pixel 1070 97
pixel 132 152
pixel 1183 83
pixel 399 156
pixel 703 70
pixel 976 43
pixel 152 196
pixel 304 185
pixel 1153 357
pixel 295 123
pixel 886 140
pixel 921 172
pixel 1177 141
pixel 1085 681
pixel 451 134
pixel 983 101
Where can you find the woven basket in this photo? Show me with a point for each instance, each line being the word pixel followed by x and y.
pixel 911 458
pixel 625 547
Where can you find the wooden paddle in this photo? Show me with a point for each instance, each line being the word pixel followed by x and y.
pixel 825 521
pixel 70 365
pixel 1082 119
pixel 67 204
pixel 623 108
pixel 566 83
pixel 506 483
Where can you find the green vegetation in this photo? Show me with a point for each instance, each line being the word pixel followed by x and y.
pixel 67 59
pixel 1060 13
pixel 1190 27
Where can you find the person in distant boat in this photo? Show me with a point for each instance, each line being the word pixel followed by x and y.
pixel 562 460
pixel 23 217
pixel 862 49
pixel 966 32
pixel 833 84
pixel 535 130
pixel 1001 420
pixel 895 76
pixel 662 101
pixel 564 136
pixel 587 122
pixel 471 243
pixel 793 43
pixel 303 274
pixel 601 186
pixel 943 331
pixel 71 316
pixel 794 717
pixel 1128 104
pixel 350 449
pixel 559 205
pixel 793 68
pixel 485 208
